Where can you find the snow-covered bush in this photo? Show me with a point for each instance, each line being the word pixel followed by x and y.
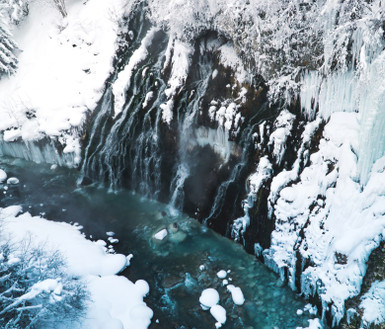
pixel 14 10
pixel 34 289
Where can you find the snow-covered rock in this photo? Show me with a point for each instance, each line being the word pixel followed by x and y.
pixel 3 176
pixel 373 304
pixel 209 297
pixel 161 234
pixel 236 294
pixel 13 181
pixel 219 314
pixel 222 274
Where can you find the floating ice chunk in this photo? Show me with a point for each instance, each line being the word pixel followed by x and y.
pixel 53 167
pixel 219 314
pixel 209 298
pixel 161 234
pixel 13 181
pixel 222 274
pixel 202 267
pixel 225 282
pixel 110 233
pixel 299 312
pixel 3 175
pixel 236 294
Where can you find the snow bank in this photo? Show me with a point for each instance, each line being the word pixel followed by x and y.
pixel 341 221
pixel 373 304
pixel 282 130
pixel 116 302
pixel 63 67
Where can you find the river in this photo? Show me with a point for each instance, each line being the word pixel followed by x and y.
pixel 177 268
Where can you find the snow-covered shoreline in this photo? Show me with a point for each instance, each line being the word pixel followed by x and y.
pixel 115 301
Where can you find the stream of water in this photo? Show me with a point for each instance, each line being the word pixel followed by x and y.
pixel 177 268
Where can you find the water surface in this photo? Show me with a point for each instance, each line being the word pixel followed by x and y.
pixel 177 268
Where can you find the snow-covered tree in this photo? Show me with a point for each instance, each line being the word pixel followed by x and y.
pixel 14 10
pixel 8 48
pixel 60 4
pixel 34 290
pixel 282 39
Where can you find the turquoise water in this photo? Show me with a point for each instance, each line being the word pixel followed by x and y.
pixel 172 267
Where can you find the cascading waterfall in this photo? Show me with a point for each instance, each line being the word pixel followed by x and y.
pixel 110 154
pixel 231 187
pixel 190 162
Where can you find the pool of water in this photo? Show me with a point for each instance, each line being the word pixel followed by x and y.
pixel 177 268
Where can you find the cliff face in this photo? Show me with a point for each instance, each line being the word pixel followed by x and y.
pixel 263 120
pixel 270 117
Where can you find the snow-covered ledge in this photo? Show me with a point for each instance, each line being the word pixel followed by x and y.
pixel 63 66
